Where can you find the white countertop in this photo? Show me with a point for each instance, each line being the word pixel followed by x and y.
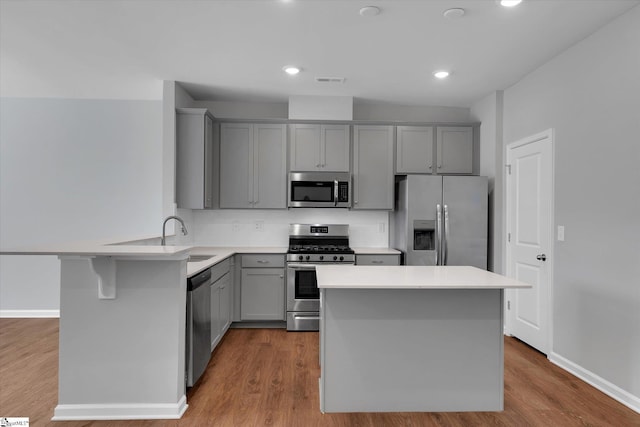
pixel 221 253
pixel 218 253
pixel 411 277
pixel 96 249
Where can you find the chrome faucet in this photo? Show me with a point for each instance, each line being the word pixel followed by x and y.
pixel 177 218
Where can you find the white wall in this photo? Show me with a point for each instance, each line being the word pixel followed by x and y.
pixel 590 96
pixel 72 170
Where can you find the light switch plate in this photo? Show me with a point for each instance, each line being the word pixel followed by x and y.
pixel 561 233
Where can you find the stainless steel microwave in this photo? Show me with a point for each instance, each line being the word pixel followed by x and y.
pixel 319 190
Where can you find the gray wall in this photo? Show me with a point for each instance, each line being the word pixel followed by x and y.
pixel 488 111
pixel 72 170
pixel 361 111
pixel 590 96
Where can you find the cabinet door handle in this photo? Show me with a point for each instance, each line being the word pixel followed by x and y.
pixel 262 261
pixel 377 261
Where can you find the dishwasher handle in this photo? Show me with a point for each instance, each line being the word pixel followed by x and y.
pixel 200 279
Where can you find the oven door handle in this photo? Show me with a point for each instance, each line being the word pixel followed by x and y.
pixel 302 266
pixel 306 316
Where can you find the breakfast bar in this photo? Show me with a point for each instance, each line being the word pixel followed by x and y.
pixel 411 338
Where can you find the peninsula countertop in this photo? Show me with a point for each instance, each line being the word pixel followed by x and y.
pixel 411 277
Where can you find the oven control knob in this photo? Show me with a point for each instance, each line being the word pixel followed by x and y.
pixel 307 257
pixel 321 257
pixel 300 257
pixel 335 258
pixel 341 258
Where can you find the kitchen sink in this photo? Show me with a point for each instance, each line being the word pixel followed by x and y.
pixel 199 258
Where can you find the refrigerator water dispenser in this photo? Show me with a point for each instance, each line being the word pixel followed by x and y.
pixel 424 235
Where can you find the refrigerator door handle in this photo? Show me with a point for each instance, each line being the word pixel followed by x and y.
pixel 445 244
pixel 438 233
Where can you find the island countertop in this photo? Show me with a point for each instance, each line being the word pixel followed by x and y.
pixel 411 277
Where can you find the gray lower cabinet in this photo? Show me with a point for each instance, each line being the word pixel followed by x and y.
pixel 373 178
pixel 262 287
pixel 221 302
pixel 253 166
pixel 374 259
pixel 196 159
pixel 226 302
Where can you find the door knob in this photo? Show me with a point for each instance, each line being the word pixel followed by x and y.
pixel 541 257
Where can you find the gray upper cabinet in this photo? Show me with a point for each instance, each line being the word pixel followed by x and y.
pixel 253 166
pixel 414 149
pixel 196 159
pixel 452 152
pixel 373 179
pixel 455 150
pixel 317 147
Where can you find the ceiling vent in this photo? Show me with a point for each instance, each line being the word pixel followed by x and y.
pixel 330 79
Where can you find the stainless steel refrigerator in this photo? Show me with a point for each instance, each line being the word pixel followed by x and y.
pixel 441 220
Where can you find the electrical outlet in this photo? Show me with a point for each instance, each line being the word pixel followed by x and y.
pixel 561 233
pixel 235 226
pixel 259 225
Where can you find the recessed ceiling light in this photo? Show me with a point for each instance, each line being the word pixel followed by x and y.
pixel 510 3
pixel 369 11
pixel 441 74
pixel 292 70
pixel 454 13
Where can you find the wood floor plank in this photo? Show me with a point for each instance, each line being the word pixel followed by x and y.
pixel 269 377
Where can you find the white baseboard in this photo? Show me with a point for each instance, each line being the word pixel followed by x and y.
pixel 30 313
pixel 612 390
pixel 122 411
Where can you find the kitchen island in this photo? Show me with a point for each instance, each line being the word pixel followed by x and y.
pixel 411 338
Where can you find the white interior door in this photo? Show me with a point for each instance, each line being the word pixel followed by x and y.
pixel 529 235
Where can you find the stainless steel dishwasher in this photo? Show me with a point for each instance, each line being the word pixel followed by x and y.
pixel 198 336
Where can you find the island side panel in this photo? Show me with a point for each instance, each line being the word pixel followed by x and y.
pixel 122 357
pixel 413 350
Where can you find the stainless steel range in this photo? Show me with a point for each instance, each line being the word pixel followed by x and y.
pixel 311 245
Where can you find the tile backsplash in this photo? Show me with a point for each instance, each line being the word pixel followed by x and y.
pixel 271 227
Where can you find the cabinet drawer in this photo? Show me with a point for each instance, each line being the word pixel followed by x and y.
pixel 219 270
pixel 377 259
pixel 262 261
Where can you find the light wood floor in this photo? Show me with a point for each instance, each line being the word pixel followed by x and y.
pixel 268 377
